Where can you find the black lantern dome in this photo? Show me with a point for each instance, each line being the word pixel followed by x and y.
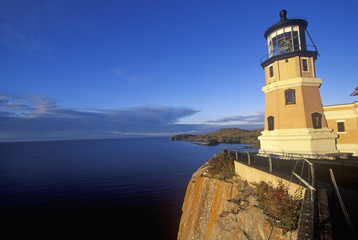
pixel 286 39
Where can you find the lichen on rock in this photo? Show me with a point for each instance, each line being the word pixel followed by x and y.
pixel 224 209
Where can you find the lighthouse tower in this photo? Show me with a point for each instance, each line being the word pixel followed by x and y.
pixel 294 118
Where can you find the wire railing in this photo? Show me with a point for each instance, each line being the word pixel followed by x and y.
pixel 314 199
pixel 294 170
pixel 342 205
pixel 310 172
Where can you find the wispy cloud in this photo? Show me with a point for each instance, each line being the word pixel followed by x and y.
pixel 119 72
pixel 258 118
pixel 21 25
pixel 16 38
pixel 137 77
pixel 40 117
pixel 27 105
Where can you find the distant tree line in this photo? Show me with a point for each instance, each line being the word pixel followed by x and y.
pixel 225 135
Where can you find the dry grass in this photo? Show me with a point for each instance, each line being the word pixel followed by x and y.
pixel 222 166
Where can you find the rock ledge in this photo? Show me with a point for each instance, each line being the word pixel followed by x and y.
pixel 215 209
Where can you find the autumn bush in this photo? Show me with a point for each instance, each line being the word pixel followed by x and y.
pixel 278 204
pixel 222 165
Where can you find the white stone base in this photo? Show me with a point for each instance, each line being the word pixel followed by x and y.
pixel 348 148
pixel 305 141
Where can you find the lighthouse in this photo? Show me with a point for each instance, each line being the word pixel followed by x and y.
pixel 294 119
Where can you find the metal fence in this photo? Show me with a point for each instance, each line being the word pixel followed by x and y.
pixel 341 206
pixel 313 173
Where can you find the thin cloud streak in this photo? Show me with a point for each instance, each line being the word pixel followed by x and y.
pixel 133 77
pixel 258 118
pixel 40 117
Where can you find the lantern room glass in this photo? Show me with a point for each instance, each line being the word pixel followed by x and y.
pixel 283 40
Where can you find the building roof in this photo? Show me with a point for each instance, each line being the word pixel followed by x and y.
pixel 355 93
pixel 286 22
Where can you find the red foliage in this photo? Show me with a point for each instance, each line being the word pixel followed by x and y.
pixel 278 204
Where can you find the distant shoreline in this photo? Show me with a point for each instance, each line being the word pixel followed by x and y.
pixel 225 135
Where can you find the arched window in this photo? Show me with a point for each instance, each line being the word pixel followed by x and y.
pixel 317 120
pixel 290 96
pixel 271 123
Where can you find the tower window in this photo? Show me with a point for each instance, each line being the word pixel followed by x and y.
pixel 270 123
pixel 341 127
pixel 296 43
pixel 304 65
pixel 290 96
pixel 317 120
pixel 271 71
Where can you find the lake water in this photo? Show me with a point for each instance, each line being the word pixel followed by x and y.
pixel 113 188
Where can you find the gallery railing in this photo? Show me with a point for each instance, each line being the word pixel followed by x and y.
pixel 287 49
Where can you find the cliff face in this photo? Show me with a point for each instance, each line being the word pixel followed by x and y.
pixel 215 209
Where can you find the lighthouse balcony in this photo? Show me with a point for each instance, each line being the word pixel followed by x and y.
pixel 286 52
pixel 287 49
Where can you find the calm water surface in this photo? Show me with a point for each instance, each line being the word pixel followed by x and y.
pixel 88 188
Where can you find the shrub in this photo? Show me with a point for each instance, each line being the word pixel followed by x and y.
pixel 278 204
pixel 222 165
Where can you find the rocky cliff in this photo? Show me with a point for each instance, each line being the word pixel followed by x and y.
pixel 217 209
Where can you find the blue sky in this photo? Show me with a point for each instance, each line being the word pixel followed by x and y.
pixel 95 69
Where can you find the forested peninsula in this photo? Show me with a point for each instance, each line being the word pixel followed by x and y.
pixel 225 135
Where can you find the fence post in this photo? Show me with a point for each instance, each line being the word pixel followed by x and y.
pixel 270 164
pixel 248 158
pixel 237 159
